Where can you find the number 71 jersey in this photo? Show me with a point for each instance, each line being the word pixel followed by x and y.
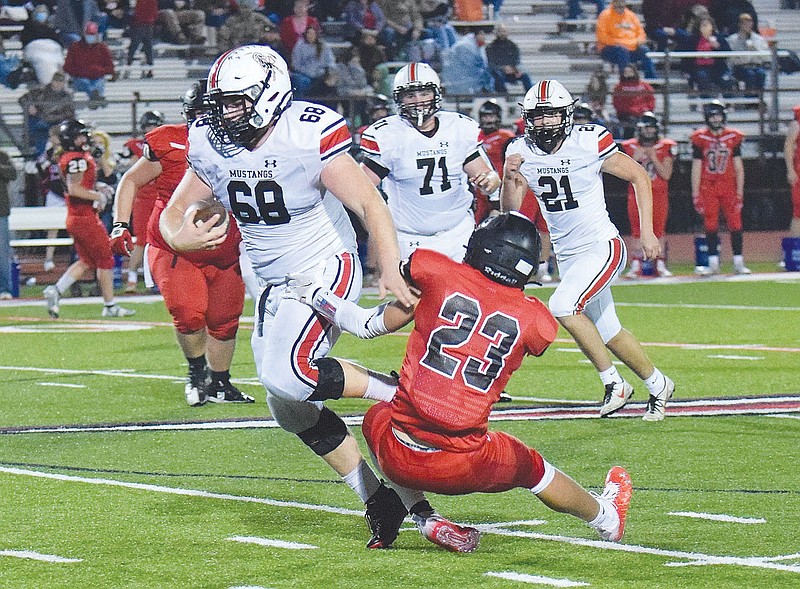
pixel 569 187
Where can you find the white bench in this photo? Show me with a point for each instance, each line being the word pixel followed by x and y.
pixel 38 219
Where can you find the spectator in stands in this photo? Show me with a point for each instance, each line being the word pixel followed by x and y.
pixel 366 14
pixel 372 54
pixel 88 62
pixel 271 37
pixel 436 15
pixel 118 13
pixel 466 69
pixel 142 32
pixel 749 70
pixel 8 173
pixel 596 93
pixel 180 23
pixel 352 84
pixel 45 106
pixel 71 17
pixel 503 57
pixel 708 75
pixel 574 10
pixel 312 61
pixel 52 188
pixel 493 8
pixel 632 97
pixel 328 10
pixel 426 51
pixel 664 18
pixel 217 13
pixel 293 26
pixel 41 44
pixel 726 14
pixel 621 38
pixel 245 27
pixel 404 24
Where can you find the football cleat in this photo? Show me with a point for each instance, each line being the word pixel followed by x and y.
pixel 195 389
pixel 617 493
pixel 615 397
pixel 52 297
pixel 117 311
pixel 385 514
pixel 225 392
pixel 446 534
pixel 635 269
pixel 657 404
pixel 662 269
pixel 742 269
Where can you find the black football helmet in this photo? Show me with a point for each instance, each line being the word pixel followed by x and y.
pixel 490 116
pixel 150 120
pixel 647 128
pixel 195 101
pixel 378 108
pixel 69 131
pixel 506 249
pixel 715 107
pixel 582 114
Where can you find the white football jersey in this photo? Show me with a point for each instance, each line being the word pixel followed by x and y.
pixel 569 187
pixel 423 177
pixel 287 220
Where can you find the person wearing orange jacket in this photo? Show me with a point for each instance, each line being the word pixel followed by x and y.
pixel 621 38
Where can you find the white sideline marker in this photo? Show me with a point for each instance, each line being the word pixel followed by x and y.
pixel 720 517
pixel 727 357
pixel 38 556
pixel 248 587
pixel 536 579
pixel 272 543
pixel 61 384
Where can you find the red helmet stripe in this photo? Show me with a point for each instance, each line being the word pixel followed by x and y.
pixel 214 73
pixel 412 73
pixel 543 91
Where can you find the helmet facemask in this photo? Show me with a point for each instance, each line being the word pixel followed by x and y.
pixel 647 129
pixel 418 112
pixel 232 116
pixel 548 136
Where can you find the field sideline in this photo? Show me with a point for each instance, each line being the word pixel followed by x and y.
pixel 107 478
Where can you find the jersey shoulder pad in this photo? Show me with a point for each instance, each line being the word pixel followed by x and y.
pixel 167 138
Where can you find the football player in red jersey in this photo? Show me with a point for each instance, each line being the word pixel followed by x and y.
pixel 656 155
pixel 718 183
pixel 473 325
pixel 145 197
pixel 203 291
pixel 84 200
pixel 792 155
pixel 494 140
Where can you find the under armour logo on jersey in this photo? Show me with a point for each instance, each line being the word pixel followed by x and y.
pixel 270 164
pixel 444 144
pixel 413 244
pixel 564 162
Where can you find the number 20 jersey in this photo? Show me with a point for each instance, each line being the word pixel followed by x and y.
pixel 287 220
pixel 569 187
pixel 423 177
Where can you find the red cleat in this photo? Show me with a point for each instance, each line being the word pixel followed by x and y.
pixel 448 535
pixel 618 491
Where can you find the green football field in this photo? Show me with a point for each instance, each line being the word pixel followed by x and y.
pixel 109 480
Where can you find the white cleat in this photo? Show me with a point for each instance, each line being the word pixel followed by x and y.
pixel 657 404
pixel 742 270
pixel 52 297
pixel 117 311
pixel 615 397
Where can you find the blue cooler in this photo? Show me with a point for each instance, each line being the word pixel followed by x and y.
pixel 14 278
pixel 648 268
pixel 791 253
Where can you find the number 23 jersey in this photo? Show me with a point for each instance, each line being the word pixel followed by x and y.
pixel 569 187
pixel 287 219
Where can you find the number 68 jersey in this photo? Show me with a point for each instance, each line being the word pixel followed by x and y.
pixel 287 219
pixel 569 187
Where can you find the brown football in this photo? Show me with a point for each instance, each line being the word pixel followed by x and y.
pixel 207 208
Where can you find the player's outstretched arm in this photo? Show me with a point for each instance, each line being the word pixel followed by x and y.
pixel 345 179
pixel 514 184
pixel 182 234
pixel 141 173
pixel 626 168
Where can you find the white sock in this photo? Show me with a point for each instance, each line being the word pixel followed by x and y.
pixel 362 480
pixel 380 387
pixel 738 261
pixel 607 518
pixel 713 262
pixel 133 276
pixel 64 283
pixel 611 375
pixel 110 303
pixel 656 382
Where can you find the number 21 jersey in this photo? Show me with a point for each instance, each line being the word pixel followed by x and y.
pixel 569 187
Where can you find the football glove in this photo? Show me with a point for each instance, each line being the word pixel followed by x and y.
pixel 302 287
pixel 121 239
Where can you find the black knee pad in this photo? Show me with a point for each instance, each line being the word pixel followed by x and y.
pixel 327 435
pixel 330 384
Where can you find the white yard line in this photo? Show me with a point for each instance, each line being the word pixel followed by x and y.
pixel 536 579
pixel 29 554
pixel 272 543
pixel 767 562
pixel 730 357
pixel 717 517
pixel 61 384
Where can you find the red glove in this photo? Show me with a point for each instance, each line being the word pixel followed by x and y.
pixel 121 239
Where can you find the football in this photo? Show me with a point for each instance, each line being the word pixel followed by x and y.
pixel 206 208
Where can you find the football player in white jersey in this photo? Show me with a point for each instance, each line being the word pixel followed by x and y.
pixel 426 159
pixel 282 169
pixel 563 166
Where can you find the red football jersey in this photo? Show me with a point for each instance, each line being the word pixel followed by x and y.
pixel 133 147
pixel 470 334
pixel 76 162
pixel 717 152
pixel 168 145
pixel 665 148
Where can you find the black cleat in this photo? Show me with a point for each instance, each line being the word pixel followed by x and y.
pixel 385 514
pixel 225 392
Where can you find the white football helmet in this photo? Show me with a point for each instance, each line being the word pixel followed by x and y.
pixel 411 78
pixel 256 76
pixel 546 98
